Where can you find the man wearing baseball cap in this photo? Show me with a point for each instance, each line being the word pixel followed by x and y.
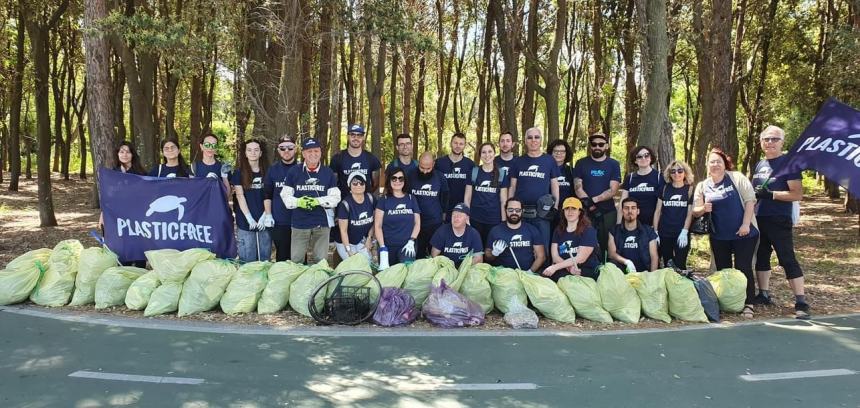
pixel 312 189
pixel 596 179
pixel 355 159
pixel 458 239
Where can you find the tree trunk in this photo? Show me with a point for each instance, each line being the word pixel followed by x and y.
pixel 721 46
pixel 323 105
pixel 99 93
pixel 508 34
pixel 632 103
pixel 374 74
pixel 392 90
pixel 705 69
pixel 655 116
pixel 408 90
pixel 57 77
pixel 549 73
pixel 195 120
pixel 484 87
pixel 140 78
pixel 594 116
pixel 419 104
pixel 531 69
pixel 15 106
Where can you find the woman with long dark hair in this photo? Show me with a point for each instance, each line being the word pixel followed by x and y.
pixel 397 219
pixel 253 212
pixel 574 246
pixel 209 166
pixel 487 192
pixel 172 163
pixel 127 160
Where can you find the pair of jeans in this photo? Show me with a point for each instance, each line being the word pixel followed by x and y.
pixel 313 239
pixel 743 250
pixel 281 236
pixel 254 245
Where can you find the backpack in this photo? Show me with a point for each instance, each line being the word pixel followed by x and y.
pixel 502 174
pixel 367 196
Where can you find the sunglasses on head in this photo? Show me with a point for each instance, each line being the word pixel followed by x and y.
pixel 210 145
pixel 643 156
pixel 398 178
pixel 284 148
pixel 598 144
pixel 676 171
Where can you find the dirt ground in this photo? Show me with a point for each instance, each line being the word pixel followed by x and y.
pixel 827 245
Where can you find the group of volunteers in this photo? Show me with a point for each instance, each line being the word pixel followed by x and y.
pixel 534 212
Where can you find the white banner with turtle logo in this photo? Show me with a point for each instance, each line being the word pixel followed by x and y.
pixel 143 213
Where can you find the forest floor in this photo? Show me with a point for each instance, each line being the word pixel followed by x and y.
pixel 827 246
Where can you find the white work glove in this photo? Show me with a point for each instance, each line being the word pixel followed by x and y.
pixel 683 239
pixel 630 266
pixel 498 247
pixel 252 225
pixel 266 221
pixel 409 249
pixel 260 225
pixel 383 258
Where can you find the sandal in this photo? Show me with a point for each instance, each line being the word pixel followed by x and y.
pixel 747 313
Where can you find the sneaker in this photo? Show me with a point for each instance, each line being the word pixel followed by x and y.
pixel 801 311
pixel 761 299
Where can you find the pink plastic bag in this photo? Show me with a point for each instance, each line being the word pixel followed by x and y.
pixel 447 308
pixel 396 308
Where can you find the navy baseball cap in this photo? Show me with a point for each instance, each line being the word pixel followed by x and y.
pixel 311 143
pixel 462 207
pixel 355 128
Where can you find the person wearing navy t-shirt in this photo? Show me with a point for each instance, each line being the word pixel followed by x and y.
pixel 127 161
pixel 674 214
pixel 596 179
pixel 457 168
pixel 643 183
pixel 355 159
pixel 312 189
pixel 632 244
pixel 208 166
pixel 355 219
pixel 487 191
pixel 561 153
pixel 430 188
pixel 574 244
pixel 515 244
pixel 730 199
pixel 253 212
pixel 458 239
pixel 535 175
pixel 274 182
pixel 404 160
pixel 172 164
pixel 774 213
pixel 397 220
pixel 506 158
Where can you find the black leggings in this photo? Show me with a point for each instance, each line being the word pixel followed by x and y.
pixel 743 250
pixel 281 236
pixel 776 236
pixel 669 251
pixel 422 244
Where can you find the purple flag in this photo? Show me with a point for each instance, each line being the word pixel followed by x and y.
pixel 143 213
pixel 830 145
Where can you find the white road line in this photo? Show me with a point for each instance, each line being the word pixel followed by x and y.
pixel 797 374
pixel 466 387
pixel 136 378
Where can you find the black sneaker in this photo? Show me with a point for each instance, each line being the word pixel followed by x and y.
pixel 801 311
pixel 761 299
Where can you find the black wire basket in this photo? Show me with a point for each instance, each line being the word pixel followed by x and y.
pixel 347 305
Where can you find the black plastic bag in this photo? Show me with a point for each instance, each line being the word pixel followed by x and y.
pixel 708 297
pixel 447 308
pixel 396 308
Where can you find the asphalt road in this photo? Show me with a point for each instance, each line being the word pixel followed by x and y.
pixel 46 362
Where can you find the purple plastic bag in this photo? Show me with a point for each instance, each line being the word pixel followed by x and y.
pixel 447 308
pixel 396 308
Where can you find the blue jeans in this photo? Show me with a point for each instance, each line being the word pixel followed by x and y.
pixel 248 249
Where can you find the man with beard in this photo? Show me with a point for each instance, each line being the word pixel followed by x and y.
pixel 355 159
pixel 515 244
pixel 533 176
pixel 404 160
pixel 273 183
pixel 505 159
pixel 430 188
pixel 632 244
pixel 456 169
pixel 458 239
pixel 596 179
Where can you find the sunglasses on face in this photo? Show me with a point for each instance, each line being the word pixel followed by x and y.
pixel 676 171
pixel 357 183
pixel 515 210
pixel 210 145
pixel 397 178
pixel 284 148
pixel 533 137
pixel 597 144
pixel 643 156
pixel 771 139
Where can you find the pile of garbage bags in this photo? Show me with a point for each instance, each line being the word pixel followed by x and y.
pixel 194 281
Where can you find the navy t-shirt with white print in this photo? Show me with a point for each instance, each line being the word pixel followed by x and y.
pixel 310 184
pixel 407 168
pixel 506 165
pixel 763 170
pixel 485 197
pixel 534 175
pixel 728 213
pixel 429 195
pixel 457 175
pixel 569 244
pixel 627 245
pixel 360 217
pixel 398 218
pixel 254 196
pixel 596 177
pixel 676 202
pixel 165 171
pixel 521 240
pixel 276 178
pixel 343 164
pixel 565 182
pixel 454 247
pixel 644 189
pixel 202 170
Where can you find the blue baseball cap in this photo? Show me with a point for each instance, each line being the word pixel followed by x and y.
pixel 355 128
pixel 462 207
pixel 311 143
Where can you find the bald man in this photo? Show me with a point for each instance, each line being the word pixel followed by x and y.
pixel 430 188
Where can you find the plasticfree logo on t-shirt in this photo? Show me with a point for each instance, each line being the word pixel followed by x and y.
pixel 456 248
pixel 363 219
pixel 485 187
pixel 426 191
pixel 533 171
pixel 311 184
pixel 676 200
pixel 400 209
pixel 571 250
pixel 630 243
pixel 456 174
pixel 517 241
pixel 562 181
pixel 257 183
pixel 642 188
pixel 356 167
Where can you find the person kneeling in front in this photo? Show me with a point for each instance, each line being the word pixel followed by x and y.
pixel 457 239
pixel 515 244
pixel 632 244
